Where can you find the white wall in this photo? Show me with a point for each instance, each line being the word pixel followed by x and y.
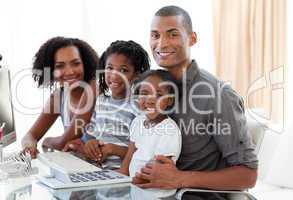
pixel 25 25
pixel 280 172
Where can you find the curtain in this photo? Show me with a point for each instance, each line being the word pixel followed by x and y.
pixel 250 51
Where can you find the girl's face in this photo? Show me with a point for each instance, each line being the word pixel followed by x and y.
pixel 68 66
pixel 154 97
pixel 119 74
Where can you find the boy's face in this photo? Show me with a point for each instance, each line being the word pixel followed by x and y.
pixel 154 97
pixel 170 41
pixel 119 74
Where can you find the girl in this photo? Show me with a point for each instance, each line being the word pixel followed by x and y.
pixel 58 63
pixel 107 136
pixel 154 132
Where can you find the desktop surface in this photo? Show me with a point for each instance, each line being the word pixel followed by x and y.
pixel 30 188
pixel 36 190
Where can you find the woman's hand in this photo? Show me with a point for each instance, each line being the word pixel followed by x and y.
pixel 92 150
pixel 29 144
pixel 53 143
pixel 33 151
pixel 76 145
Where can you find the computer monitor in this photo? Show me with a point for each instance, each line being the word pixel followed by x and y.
pixel 6 109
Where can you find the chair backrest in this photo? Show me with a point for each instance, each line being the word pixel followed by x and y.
pixel 257 131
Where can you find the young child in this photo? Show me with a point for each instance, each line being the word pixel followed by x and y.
pixel 154 132
pixel 106 137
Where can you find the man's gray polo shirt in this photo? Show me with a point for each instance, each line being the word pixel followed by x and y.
pixel 211 118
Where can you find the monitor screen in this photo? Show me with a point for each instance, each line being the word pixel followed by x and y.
pixel 6 109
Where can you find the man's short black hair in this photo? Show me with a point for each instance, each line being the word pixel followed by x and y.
pixel 175 11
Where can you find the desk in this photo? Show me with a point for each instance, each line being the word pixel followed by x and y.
pixel 35 191
pixel 29 188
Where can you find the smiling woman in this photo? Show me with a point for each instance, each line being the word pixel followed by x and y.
pixel 66 66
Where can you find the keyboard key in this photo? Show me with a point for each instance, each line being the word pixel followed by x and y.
pixel 74 180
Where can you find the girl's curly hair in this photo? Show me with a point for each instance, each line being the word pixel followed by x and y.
pixel 133 51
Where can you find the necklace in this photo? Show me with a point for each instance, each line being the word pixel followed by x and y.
pixel 149 124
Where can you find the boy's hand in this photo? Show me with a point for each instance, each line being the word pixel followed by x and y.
pixel 92 150
pixel 76 145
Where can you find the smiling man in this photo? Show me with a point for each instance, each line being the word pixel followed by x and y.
pixel 213 156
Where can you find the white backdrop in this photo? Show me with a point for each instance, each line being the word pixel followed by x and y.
pixel 25 25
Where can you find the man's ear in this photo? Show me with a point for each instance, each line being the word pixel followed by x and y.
pixel 193 38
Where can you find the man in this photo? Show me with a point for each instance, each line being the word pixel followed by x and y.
pixel 217 152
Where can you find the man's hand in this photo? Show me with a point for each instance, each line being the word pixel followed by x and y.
pixel 139 181
pixel 92 150
pixel 53 143
pixel 161 174
pixel 76 145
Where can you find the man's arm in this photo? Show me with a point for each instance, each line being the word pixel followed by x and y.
pixel 164 174
pixel 232 178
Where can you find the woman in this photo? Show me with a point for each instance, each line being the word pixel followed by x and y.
pixel 66 66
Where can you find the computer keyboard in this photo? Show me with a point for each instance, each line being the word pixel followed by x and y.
pixel 94 176
pixel 65 161
pixel 68 170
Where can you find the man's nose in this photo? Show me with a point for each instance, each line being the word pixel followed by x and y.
pixel 163 42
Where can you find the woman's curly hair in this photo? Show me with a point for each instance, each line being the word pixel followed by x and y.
pixel 44 58
pixel 137 56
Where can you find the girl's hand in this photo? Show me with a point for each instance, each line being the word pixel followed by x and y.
pixel 107 150
pixel 92 150
pixel 122 171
